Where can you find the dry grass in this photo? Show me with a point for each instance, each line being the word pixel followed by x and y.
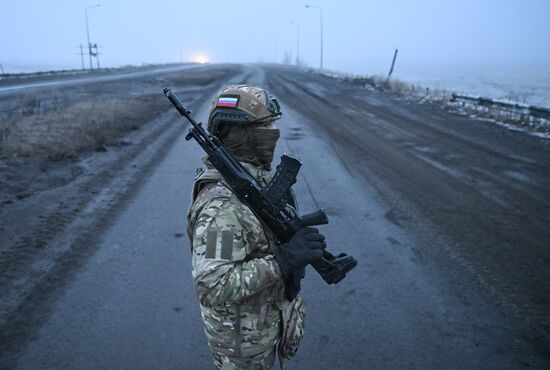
pixel 77 127
pixel 408 90
pixel 512 117
pixel 67 122
pixel 395 86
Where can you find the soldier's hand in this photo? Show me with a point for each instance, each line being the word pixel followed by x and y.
pixel 305 247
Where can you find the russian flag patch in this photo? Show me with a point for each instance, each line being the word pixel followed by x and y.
pixel 228 101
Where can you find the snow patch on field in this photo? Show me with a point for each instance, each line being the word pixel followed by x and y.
pixel 531 87
pixel 432 90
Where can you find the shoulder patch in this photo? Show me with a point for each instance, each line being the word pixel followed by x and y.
pixel 220 244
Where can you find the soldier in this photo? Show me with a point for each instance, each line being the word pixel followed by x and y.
pixel 238 267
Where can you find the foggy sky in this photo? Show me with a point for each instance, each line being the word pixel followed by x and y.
pixel 359 36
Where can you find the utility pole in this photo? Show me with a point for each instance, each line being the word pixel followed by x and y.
pixel 297 43
pixel 2 69
pixel 96 55
pixel 81 55
pixel 321 19
pixel 393 63
pixel 90 52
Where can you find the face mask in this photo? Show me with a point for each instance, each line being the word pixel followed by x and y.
pixel 266 141
pixel 252 145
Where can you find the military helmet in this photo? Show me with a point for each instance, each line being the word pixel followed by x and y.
pixel 242 104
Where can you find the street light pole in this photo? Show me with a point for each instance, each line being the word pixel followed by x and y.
pixel 297 43
pixel 321 19
pixel 88 32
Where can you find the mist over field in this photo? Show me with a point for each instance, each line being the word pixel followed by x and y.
pixel 493 48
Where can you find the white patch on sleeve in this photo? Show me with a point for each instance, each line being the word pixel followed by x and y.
pixel 200 230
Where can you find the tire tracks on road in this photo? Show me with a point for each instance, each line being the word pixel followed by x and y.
pixel 35 269
pixel 503 244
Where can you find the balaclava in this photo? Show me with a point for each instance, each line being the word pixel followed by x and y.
pixel 251 143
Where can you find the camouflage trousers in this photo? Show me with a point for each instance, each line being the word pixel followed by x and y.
pixel 242 337
pixel 262 361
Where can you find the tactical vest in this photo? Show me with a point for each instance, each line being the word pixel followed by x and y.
pixel 211 177
pixel 202 179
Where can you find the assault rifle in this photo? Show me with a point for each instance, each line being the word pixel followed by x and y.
pixel 267 203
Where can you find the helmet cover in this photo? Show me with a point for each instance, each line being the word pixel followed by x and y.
pixel 242 104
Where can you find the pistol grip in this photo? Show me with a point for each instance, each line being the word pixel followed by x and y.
pixel 315 218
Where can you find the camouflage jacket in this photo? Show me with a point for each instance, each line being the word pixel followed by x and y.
pixel 238 282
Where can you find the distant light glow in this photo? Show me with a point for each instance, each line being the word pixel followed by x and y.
pixel 202 59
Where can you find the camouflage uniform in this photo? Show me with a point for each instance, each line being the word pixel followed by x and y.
pixel 238 282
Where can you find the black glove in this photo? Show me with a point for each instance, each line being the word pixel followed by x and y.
pixel 305 247
pixel 293 283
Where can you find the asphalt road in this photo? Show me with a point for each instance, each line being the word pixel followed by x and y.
pixel 447 216
pixel 78 81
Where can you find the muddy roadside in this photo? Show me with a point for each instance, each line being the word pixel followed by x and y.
pixel 66 162
pixel 452 181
